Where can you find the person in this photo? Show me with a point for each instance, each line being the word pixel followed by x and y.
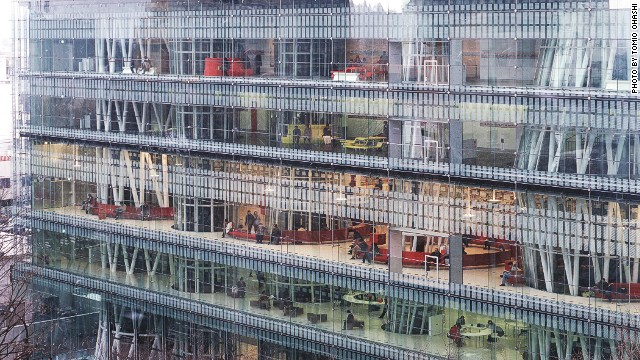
pixel 379 184
pixel 508 274
pixel 436 253
pixel 242 287
pixel 145 212
pixel 88 203
pixel 306 134
pixel 497 330
pixel 326 135
pixel 360 249
pixel 384 58
pixel 356 241
pixel 146 65
pixel 488 243
pixel 248 221
pixel 265 301
pixel 119 212
pixel 234 133
pixel 261 279
pixel 385 130
pixel 444 254
pixel 603 287
pixel 491 326
pixel 357 60
pixel 260 230
pixel 296 136
pixel 461 321
pixel 228 227
pixel 258 64
pixel 368 253
pixel 376 250
pixel 431 260
pixel 454 334
pixel 352 322
pixel 275 235
pixel 256 222
pixel 384 309
pixel 287 304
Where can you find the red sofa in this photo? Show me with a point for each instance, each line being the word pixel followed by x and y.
pixel 234 66
pixel 416 259
pixel 129 212
pixel 242 235
pixel 409 258
pixel 620 291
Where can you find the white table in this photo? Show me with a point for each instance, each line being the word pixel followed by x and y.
pixel 475 332
pixel 357 299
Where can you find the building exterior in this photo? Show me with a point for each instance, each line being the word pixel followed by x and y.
pixel 459 136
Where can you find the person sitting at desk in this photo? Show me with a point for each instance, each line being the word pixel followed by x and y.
pixel 351 321
pixel 360 249
pixel 241 286
pixel 491 326
pixel 454 334
pixel 326 135
pixel 276 234
pixel 604 288
pixel 495 329
pixel 444 254
pixel 287 304
pixel 260 230
pixel 508 274
pixel 265 301
pixel 228 227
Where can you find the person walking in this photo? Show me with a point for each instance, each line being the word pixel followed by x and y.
pixel 249 219
pixel 296 136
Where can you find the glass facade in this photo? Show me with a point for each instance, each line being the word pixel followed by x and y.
pixel 196 177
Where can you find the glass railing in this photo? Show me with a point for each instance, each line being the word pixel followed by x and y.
pixel 373 160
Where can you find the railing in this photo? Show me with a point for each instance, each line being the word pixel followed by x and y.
pixel 509 175
pixel 246 319
pixel 524 91
pixel 532 309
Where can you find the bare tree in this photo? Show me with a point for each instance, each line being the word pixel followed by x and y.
pixel 627 345
pixel 16 341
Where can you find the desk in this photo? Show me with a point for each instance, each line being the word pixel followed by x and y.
pixel 358 299
pixel 364 143
pixel 475 332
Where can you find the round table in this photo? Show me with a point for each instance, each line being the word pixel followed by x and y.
pixel 475 332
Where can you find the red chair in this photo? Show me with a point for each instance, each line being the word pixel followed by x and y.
pixel 213 67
